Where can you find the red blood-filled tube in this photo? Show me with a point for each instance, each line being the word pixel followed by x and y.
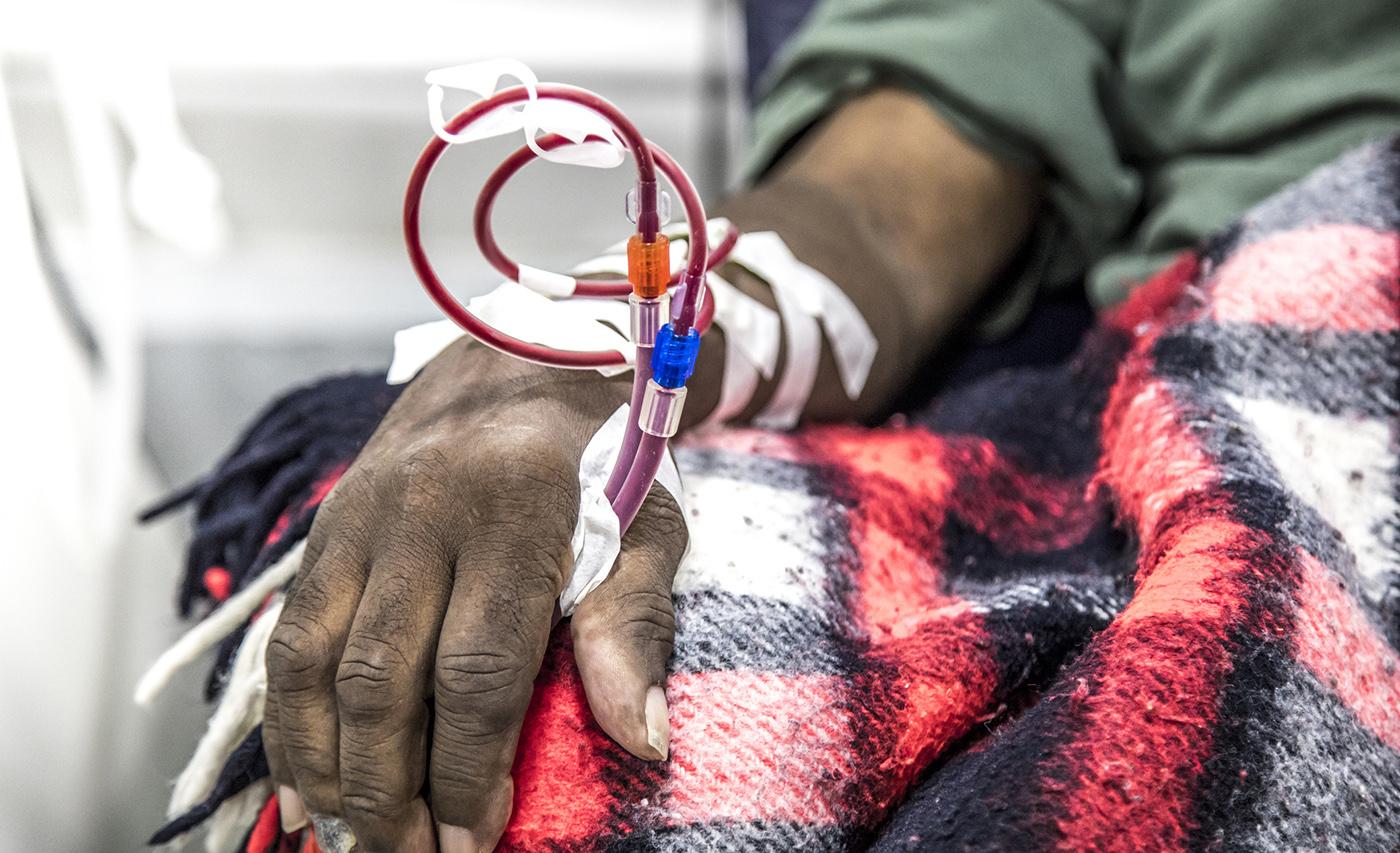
pixel 491 250
pixel 647 158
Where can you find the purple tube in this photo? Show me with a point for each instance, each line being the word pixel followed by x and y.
pixel 634 489
pixel 633 434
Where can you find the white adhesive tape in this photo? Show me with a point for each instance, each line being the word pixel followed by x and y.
pixel 570 324
pixel 481 79
pixel 756 325
pixel 753 333
pixel 615 314
pixel 748 323
pixel 715 230
pixel 737 385
pixel 610 263
pixel 595 143
pixel 597 541
pixel 552 284
pixel 578 123
pixel 525 314
pixel 852 342
pixel 804 295
pixel 752 337
pixel 417 345
pixel 804 349
pixel 807 302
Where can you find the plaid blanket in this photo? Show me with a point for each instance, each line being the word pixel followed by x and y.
pixel 1149 599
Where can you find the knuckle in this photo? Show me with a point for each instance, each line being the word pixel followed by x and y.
pixel 479 674
pixel 366 803
pixel 298 654
pixel 373 680
pixel 648 611
pixel 644 619
pixel 480 693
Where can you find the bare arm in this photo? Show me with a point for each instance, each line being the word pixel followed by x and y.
pixel 911 220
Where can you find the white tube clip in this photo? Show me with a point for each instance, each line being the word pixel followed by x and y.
pixel 595 143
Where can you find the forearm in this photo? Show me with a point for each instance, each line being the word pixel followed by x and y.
pixel 909 219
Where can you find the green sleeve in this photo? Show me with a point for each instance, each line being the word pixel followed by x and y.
pixel 1022 78
pixel 1223 103
pixel 1151 124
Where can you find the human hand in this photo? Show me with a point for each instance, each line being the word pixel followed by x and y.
pixel 430 581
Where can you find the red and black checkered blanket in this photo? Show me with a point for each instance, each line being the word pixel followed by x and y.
pixel 1146 600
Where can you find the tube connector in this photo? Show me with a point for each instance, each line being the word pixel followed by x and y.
pixel 648 316
pixel 660 413
pixel 673 359
pixel 649 265
pixel 633 206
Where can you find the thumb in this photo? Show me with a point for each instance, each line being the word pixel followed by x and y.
pixel 623 631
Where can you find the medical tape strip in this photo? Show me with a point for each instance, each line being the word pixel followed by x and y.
pixel 552 284
pixel 595 143
pixel 756 327
pixel 752 330
pixel 597 540
pixel 417 345
pixel 613 263
pixel 737 386
pixel 853 342
pixel 752 337
pixel 804 348
pixel 805 296
pixel 574 324
pixel 748 324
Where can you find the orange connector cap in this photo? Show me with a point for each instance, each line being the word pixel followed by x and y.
pixel 649 265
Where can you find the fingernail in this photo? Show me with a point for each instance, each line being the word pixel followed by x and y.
pixel 658 724
pixel 292 810
pixel 456 839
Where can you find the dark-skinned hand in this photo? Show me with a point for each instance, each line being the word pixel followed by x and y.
pixel 430 581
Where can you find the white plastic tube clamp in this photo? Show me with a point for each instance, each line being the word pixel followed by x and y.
pixel 660 414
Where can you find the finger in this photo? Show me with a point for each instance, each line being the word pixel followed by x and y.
pixel 382 687
pixel 508 578
pixel 302 657
pixel 624 630
pixel 291 811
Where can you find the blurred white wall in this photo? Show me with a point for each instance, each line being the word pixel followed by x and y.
pixel 311 113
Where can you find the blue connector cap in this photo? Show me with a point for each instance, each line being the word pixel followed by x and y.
pixel 673 358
